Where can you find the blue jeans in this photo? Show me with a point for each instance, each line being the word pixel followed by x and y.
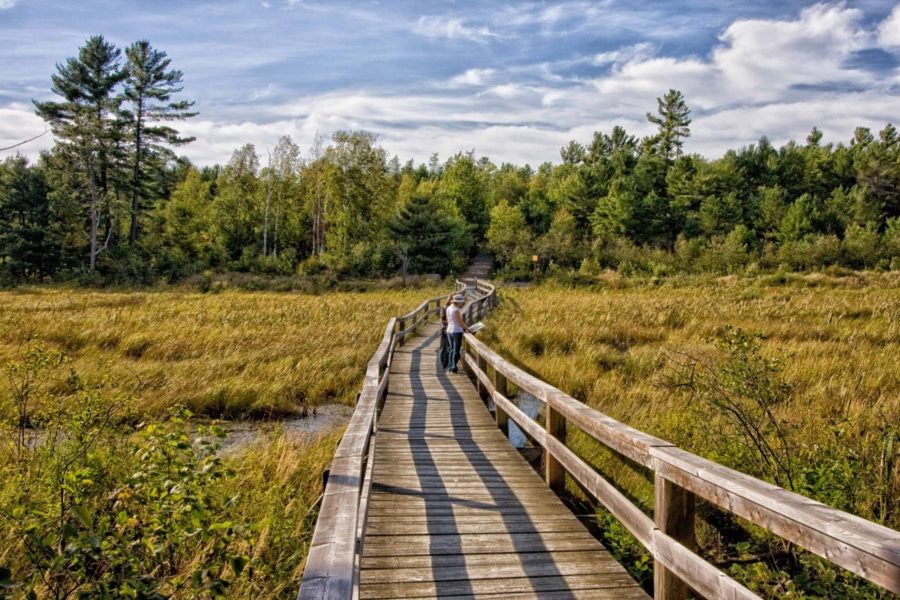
pixel 455 342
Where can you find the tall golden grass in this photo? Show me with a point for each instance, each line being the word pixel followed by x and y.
pixel 612 346
pixel 224 355
pixel 234 354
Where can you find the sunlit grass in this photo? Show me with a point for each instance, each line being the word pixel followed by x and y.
pixel 612 347
pixel 227 355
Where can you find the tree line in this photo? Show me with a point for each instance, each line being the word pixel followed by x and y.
pixel 112 201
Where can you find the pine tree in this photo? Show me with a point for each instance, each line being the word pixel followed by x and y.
pixel 674 124
pixel 426 235
pixel 86 125
pixel 28 245
pixel 149 87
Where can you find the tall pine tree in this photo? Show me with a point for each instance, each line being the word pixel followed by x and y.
pixel 86 123
pixel 673 120
pixel 426 235
pixel 149 87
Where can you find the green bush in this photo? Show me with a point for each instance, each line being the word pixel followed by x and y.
pixel 100 514
pixel 861 246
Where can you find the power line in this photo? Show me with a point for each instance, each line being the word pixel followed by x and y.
pixel 25 141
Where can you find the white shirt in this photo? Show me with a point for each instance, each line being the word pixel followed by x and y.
pixel 452 325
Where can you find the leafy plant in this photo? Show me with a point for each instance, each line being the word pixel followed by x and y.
pixel 744 389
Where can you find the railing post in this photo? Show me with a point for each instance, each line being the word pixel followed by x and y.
pixel 554 474
pixel 482 366
pixel 500 416
pixel 463 351
pixel 401 325
pixel 674 516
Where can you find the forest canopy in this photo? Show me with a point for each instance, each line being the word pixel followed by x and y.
pixel 113 201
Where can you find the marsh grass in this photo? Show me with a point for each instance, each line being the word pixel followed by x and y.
pixel 234 354
pixel 837 340
pixel 145 357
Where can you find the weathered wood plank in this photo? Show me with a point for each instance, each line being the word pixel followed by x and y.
pixel 330 564
pixel 585 594
pixel 373 563
pixel 546 568
pixel 489 586
pixel 456 526
pixel 688 567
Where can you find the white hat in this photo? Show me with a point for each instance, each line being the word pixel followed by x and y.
pixel 459 298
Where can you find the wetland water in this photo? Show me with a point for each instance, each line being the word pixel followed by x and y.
pixel 243 434
pixel 529 405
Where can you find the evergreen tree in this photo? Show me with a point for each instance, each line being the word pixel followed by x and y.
pixel 149 87
pixel 425 235
pixel 573 154
pixel 673 120
pixel 28 244
pixel 86 124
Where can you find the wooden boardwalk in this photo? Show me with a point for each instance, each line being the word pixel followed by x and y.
pixel 455 512
pixel 426 498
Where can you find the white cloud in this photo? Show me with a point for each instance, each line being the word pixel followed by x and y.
pixel 451 28
pixel 889 30
pixel 4 4
pixel 624 54
pixel 777 78
pixel 18 123
pixel 472 77
pixel 509 91
pixel 759 54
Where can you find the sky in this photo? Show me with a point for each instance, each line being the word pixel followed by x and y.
pixel 514 81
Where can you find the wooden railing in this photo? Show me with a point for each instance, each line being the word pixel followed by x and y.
pixel 862 547
pixel 332 565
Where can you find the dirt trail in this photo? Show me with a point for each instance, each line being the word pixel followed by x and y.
pixel 479 268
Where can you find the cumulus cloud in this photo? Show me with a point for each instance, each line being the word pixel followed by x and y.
pixel 4 4
pixel 889 30
pixel 451 28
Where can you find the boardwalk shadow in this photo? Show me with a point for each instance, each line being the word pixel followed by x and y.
pixel 445 535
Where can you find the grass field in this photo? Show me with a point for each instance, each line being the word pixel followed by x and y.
pixel 226 355
pixel 149 492
pixel 827 362
pixel 113 489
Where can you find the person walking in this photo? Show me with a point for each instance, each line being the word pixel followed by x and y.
pixel 444 349
pixel 456 327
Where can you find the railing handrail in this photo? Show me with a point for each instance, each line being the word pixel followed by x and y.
pixel 332 567
pixel 865 548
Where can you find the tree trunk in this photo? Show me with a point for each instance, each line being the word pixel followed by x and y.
pixel 95 222
pixel 136 173
pixel 275 237
pixel 265 248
